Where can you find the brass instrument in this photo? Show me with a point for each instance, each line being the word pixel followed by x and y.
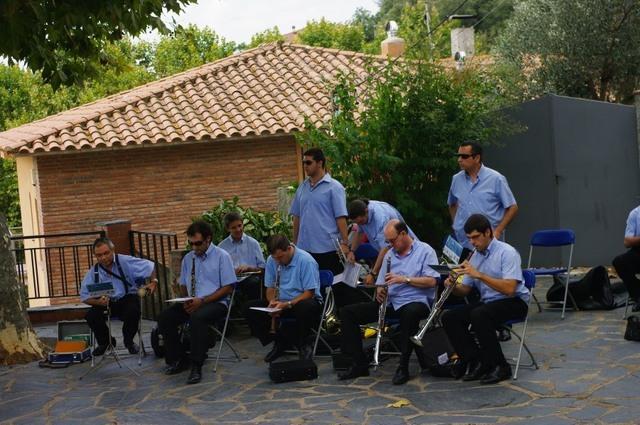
pixel 276 297
pixel 437 307
pixel 331 320
pixel 382 311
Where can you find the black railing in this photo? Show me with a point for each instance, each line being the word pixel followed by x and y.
pixel 157 247
pixel 62 261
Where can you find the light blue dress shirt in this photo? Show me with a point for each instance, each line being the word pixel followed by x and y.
pixel 301 274
pixel 214 270
pixel 490 195
pixel 414 264
pixel 136 271
pixel 246 251
pixel 500 260
pixel 318 207
pixel 633 223
pixel 379 214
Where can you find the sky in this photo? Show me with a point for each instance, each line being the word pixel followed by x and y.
pixel 238 20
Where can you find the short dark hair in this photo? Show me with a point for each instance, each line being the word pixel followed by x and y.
pixel 477 222
pixel 231 217
pixel 277 242
pixel 401 226
pixel 358 208
pixel 476 149
pixel 202 227
pixel 317 155
pixel 103 240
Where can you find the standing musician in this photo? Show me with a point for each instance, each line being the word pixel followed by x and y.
pixel 125 273
pixel 319 211
pixel 207 276
pixel 494 270
pixel 410 284
pixel 293 285
pixel 245 253
pixel 371 217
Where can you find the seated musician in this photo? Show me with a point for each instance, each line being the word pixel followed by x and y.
pixel 411 284
pixel 207 276
pixel 494 270
pixel 246 255
pixel 125 273
pixel 293 285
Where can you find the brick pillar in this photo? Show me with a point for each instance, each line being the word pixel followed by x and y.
pixel 118 232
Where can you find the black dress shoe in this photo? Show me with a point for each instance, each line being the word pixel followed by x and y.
pixel 636 305
pixel 476 371
pixel 504 335
pixel 401 376
pixel 305 352
pixel 196 374
pixel 353 372
pixel 100 349
pixel 459 368
pixel 176 367
pixel 133 348
pixel 497 374
pixel 277 351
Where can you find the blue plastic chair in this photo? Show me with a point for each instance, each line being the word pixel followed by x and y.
pixel 530 282
pixel 554 238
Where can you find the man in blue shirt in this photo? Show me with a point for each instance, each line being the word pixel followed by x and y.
pixel 371 217
pixel 245 253
pixel 207 278
pixel 627 265
pixel 494 270
pixel 411 287
pixel 293 286
pixel 477 189
pixel 127 274
pixel 319 211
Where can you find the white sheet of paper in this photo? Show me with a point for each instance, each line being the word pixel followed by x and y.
pixel 266 309
pixel 179 300
pixel 349 275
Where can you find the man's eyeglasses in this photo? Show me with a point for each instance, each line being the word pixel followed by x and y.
pixel 392 241
pixel 307 162
pixel 464 155
pixel 195 243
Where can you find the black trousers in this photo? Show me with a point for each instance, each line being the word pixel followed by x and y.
pixel 484 320
pixel 171 318
pixel 251 287
pixel 354 315
pixel 126 309
pixel 343 294
pixel 627 265
pixel 307 316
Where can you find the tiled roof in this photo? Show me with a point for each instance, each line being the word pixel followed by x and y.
pixel 263 91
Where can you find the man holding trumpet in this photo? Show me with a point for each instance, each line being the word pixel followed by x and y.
pixel 410 284
pixel 494 270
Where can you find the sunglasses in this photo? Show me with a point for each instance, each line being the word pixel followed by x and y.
pixel 195 243
pixel 307 162
pixel 464 155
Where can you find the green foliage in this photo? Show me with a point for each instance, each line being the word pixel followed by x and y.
pixel 267 36
pixel 582 48
pixel 65 38
pixel 9 202
pixel 393 138
pixel 258 224
pixel 328 34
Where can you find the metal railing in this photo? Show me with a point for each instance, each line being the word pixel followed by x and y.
pixel 52 266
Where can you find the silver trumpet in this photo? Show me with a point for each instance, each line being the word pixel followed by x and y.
pixel 382 312
pixel 437 307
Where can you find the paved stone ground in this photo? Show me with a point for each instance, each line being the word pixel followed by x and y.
pixel 589 375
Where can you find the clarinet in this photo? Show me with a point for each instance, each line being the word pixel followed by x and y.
pixel 382 311
pixel 193 276
pixel 276 298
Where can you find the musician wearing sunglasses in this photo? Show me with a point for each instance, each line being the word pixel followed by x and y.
pixel 319 211
pixel 206 277
pixel 478 189
pixel 494 270
pixel 410 288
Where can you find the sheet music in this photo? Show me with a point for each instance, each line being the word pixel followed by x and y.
pixel 266 309
pixel 350 274
pixel 179 300
pixel 101 288
pixel 452 250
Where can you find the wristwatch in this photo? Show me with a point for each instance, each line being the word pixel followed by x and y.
pixel 407 280
pixel 289 304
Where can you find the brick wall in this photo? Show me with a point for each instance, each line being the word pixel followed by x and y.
pixel 160 188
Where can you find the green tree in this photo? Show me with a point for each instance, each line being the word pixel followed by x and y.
pixel 583 48
pixel 392 139
pixel 65 38
pixel 329 34
pixel 267 36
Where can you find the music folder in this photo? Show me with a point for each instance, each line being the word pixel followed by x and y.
pixel 100 289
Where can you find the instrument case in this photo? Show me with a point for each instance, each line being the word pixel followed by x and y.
pixel 293 370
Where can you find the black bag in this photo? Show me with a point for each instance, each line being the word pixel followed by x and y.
pixel 341 361
pixel 438 351
pixel 632 333
pixel 591 292
pixel 294 370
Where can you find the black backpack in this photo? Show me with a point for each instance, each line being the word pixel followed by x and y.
pixel 632 333
pixel 591 292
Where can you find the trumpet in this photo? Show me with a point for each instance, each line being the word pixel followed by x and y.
pixel 341 256
pixel 382 312
pixel 437 307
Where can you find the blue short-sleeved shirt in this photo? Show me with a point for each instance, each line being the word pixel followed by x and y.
pixel 633 223
pixel 490 195
pixel 500 260
pixel 301 274
pixel 245 252
pixel 213 270
pixel 379 214
pixel 318 207
pixel 414 264
pixel 135 270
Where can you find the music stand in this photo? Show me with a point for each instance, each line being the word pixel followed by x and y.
pixel 105 289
